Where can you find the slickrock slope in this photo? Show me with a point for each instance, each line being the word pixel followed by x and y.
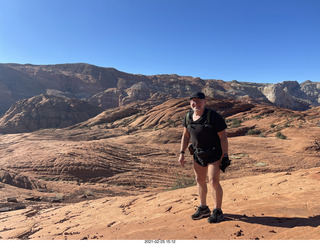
pixel 44 111
pixel 108 177
pixel 172 112
pixel 273 206
pixel 128 151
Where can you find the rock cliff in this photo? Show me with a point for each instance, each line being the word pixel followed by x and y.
pixel 110 88
pixel 44 111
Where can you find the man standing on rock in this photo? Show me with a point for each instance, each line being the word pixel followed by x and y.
pixel 206 129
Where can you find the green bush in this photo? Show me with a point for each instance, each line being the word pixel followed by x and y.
pixel 183 181
pixel 235 123
pixel 253 132
pixel 280 135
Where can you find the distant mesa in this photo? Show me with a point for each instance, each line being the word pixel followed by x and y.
pixel 77 92
pixel 109 88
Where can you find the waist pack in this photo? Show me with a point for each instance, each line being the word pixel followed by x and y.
pixel 191 149
pixel 201 152
pixel 204 156
pixel 205 152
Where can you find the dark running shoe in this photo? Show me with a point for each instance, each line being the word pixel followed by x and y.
pixel 216 216
pixel 202 212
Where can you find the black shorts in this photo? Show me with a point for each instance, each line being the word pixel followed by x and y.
pixel 206 156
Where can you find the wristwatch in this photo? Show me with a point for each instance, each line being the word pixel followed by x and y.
pixel 225 155
pixel 182 152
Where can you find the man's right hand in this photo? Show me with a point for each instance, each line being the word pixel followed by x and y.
pixel 181 159
pixel 225 163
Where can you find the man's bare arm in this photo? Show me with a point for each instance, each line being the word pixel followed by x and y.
pixel 224 141
pixel 184 144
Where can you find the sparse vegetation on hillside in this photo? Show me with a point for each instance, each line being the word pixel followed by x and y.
pixel 182 181
pixel 234 123
pixel 254 132
pixel 280 135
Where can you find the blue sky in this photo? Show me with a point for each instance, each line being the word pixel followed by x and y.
pixel 245 40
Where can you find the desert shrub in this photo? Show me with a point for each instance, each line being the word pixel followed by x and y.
pixel 286 125
pixel 259 116
pixel 59 197
pixel 261 164
pixel 272 125
pixel 234 123
pixel 315 146
pixel 171 123
pixel 88 193
pixel 253 132
pixel 280 135
pixel 183 181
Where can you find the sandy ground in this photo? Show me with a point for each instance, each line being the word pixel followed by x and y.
pixel 266 207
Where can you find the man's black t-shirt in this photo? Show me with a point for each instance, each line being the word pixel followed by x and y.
pixel 203 134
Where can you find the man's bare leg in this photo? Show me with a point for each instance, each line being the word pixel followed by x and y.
pixel 214 181
pixel 201 179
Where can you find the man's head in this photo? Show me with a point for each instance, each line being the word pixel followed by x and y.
pixel 197 101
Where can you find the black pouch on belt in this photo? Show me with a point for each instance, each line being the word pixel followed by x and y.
pixel 191 149
pixel 205 153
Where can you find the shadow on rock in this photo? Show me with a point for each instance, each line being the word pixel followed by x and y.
pixel 276 221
